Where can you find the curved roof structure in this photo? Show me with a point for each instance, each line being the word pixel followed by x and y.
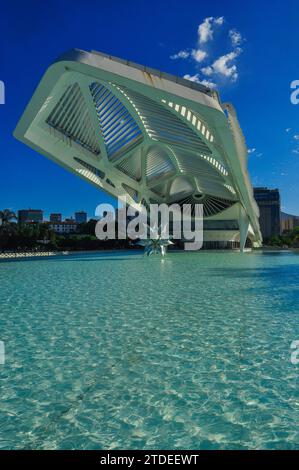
pixel 153 137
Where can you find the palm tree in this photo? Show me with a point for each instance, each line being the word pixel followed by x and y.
pixel 7 216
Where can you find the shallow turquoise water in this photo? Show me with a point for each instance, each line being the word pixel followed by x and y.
pixel 119 351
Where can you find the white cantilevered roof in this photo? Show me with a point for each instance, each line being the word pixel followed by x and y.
pixel 135 131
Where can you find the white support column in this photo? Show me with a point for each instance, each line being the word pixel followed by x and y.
pixel 243 227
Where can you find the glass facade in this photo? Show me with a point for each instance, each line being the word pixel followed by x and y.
pixel 30 215
pixel 81 217
pixel 268 201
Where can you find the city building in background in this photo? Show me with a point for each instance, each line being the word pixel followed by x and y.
pixel 64 227
pixel 289 222
pixel 81 217
pixel 149 136
pixel 55 217
pixel 30 215
pixel 268 201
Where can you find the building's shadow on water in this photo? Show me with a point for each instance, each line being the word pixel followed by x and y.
pixel 237 273
pixel 278 253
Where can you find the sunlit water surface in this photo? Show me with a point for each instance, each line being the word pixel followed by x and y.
pixel 114 351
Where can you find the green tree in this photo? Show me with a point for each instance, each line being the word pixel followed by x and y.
pixel 7 216
pixel 8 236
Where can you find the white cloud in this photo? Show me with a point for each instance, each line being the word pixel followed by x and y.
pixel 288 129
pixel 192 78
pixel 198 55
pixel 219 21
pixel 180 55
pixel 208 71
pixel 208 83
pixel 224 66
pixel 296 151
pixel 206 30
pixel 253 150
pixel 196 78
pixel 235 37
pixel 296 136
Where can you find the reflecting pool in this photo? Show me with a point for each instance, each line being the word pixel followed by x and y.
pixel 116 351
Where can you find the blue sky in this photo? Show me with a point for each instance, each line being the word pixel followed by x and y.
pixel 249 50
